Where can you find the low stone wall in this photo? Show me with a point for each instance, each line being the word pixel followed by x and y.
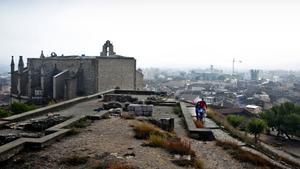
pixel 119 98
pixel 51 108
pixel 54 133
pixel 194 132
pixel 140 92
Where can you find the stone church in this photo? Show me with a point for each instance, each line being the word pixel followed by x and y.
pixel 65 77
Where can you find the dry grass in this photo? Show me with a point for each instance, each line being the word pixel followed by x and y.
pixel 168 141
pixel 245 156
pixel 198 163
pixel 179 146
pixel 143 130
pixel 127 116
pixel 199 123
pixel 157 140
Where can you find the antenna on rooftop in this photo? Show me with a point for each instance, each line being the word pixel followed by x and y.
pixel 233 62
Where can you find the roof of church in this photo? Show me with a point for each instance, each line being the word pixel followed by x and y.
pixel 85 57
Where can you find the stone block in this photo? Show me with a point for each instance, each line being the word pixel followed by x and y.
pixel 141 109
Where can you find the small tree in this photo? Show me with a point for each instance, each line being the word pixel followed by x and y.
pixel 256 127
pixel 235 120
pixel 285 119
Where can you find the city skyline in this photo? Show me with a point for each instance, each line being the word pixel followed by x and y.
pixel 173 34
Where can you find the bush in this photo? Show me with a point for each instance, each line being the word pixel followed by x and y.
pixel 143 130
pixel 17 108
pixel 235 120
pixel 256 127
pixel 157 140
pixel 178 146
pixel 4 113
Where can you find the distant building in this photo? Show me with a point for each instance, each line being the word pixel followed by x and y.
pixel 254 109
pixel 255 74
pixel 66 77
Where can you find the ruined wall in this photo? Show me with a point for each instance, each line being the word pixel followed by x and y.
pixel 139 81
pixel 116 72
pixel 14 82
pixel 24 83
pixel 59 84
pixel 89 67
pixel 23 80
pixel 71 88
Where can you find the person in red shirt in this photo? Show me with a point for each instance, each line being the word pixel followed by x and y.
pixel 201 107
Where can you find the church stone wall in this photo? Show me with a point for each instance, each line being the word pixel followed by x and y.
pixel 116 72
pixel 89 67
pixel 71 88
pixel 139 80
pixel 59 85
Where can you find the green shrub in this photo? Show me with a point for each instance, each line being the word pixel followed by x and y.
pixel 4 113
pixel 17 108
pixel 256 127
pixel 235 120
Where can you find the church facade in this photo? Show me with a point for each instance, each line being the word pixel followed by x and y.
pixel 65 77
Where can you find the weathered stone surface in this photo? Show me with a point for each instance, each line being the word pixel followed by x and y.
pixel 44 123
pixel 166 124
pixel 116 111
pixel 141 109
pixel 5 138
pixel 112 105
pixel 119 98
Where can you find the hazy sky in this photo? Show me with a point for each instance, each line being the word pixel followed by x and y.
pixel 264 34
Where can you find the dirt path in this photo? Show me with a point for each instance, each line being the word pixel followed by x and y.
pixel 114 136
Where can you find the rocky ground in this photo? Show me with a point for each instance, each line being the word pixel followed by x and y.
pixel 114 137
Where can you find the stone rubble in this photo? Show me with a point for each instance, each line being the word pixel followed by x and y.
pixel 141 109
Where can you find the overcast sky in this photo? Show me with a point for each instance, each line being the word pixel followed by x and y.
pixel 264 34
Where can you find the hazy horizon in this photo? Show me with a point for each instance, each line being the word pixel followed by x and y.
pixel 262 34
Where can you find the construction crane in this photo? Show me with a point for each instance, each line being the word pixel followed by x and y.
pixel 233 62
